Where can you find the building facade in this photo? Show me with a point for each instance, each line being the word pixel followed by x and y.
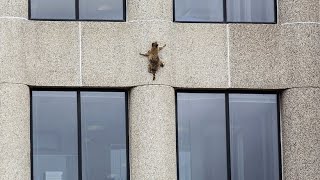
pixel 282 57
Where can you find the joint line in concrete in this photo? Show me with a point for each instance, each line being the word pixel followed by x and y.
pixel 12 17
pixel 290 23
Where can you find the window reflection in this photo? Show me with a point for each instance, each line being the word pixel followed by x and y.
pixel 199 10
pixel 254 136
pixel 53 9
pixel 55 153
pixel 104 135
pixel 251 10
pixel 101 9
pixel 202 136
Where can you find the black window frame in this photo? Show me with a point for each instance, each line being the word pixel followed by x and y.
pixel 79 136
pixel 225 21
pixel 77 7
pixel 227 115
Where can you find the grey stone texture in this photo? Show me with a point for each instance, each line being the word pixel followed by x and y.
pixel 152 133
pixel 300 133
pixel 300 50
pixel 12 56
pixel 254 57
pixel 199 55
pixel 141 10
pixel 53 53
pixel 14 8
pixel 291 11
pixel 14 132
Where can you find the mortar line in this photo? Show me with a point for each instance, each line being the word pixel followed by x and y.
pixel 150 20
pixel 80 54
pixel 290 23
pixel 228 56
pixel 12 17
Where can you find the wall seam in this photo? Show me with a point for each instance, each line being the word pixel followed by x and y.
pixel 1 83
pixel 228 56
pixel 303 87
pixel 12 17
pixel 290 23
pixel 150 20
pixel 142 85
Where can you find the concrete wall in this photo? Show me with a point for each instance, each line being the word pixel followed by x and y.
pixel 103 54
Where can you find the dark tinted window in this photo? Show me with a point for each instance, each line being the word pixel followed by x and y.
pixel 199 10
pixel 240 141
pixel 112 10
pixel 254 136
pixel 103 135
pixel 101 9
pixel 55 141
pixel 251 11
pixel 56 126
pixel 254 11
pixel 202 136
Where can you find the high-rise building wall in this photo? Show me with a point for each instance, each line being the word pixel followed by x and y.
pixel 284 56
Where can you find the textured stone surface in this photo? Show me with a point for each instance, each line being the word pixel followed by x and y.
pixel 300 49
pixel 52 50
pixel 299 11
pixel 12 56
pixel 152 133
pixel 199 55
pixel 149 10
pixel 14 8
pixel 255 60
pixel 14 132
pixel 300 133
pixel 111 53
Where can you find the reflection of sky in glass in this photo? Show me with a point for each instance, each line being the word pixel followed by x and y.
pixel 198 10
pixel 201 136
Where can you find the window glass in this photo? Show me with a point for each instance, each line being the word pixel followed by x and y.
pixel 101 9
pixel 54 126
pixel 103 116
pixel 254 137
pixel 199 10
pixel 53 9
pixel 202 136
pixel 250 10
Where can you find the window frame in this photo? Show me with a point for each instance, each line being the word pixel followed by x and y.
pixel 227 115
pixel 225 21
pixel 77 7
pixel 79 135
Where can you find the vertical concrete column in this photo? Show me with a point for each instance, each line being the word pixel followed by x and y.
pixel 14 132
pixel 301 133
pixel 152 133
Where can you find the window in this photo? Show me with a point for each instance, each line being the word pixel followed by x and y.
pixel 79 135
pixel 228 136
pixel 109 10
pixel 233 11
